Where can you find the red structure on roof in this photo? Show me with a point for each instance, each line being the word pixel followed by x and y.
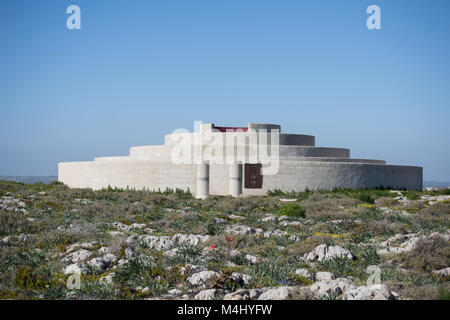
pixel 231 129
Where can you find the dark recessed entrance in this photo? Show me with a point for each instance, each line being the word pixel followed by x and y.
pixel 253 178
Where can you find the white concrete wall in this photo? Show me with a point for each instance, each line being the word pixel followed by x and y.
pixel 301 166
pixel 130 173
pixel 298 175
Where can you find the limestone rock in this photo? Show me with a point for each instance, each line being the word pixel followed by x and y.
pixel 275 233
pixel 219 220
pixel 103 263
pixel 109 278
pixel 103 250
pixel 284 293
pixel 208 294
pixel 338 286
pixel 175 292
pixel 245 294
pixel 158 243
pixel 295 238
pixel 190 239
pixel 269 219
pixel 241 278
pixel 375 292
pixel 323 252
pixel 191 269
pixel 202 278
pixel 303 272
pixel 443 272
pixel 77 256
pixel 243 230
pixel 72 269
pixel 77 246
pixel 7 240
pixel 290 223
pixel 406 242
pixel 171 253
pixel 324 276
pixel 252 259
pixel 23 237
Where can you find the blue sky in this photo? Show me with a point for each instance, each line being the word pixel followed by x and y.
pixel 139 69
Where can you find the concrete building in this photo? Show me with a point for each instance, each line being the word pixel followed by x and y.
pixel 238 162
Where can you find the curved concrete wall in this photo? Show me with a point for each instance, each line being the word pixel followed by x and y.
pixel 301 165
pixel 333 159
pixel 163 153
pixel 297 140
pixel 300 151
pixel 131 173
pixel 298 175
pixel 292 175
pixel 285 139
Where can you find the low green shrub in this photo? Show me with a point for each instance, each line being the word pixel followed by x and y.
pixel 292 210
pixel 443 294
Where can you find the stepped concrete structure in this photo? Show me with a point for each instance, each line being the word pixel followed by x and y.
pixel 238 162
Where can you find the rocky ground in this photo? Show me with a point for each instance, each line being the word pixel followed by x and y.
pixel 341 244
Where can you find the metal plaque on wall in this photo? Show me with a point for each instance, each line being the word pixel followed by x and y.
pixel 253 178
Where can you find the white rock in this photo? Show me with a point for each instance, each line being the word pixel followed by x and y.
pixel 138 225
pixel 407 242
pixel 219 220
pixel 241 278
pixel 295 238
pixel 269 219
pixel 234 253
pixel 109 278
pixel 190 239
pixel 335 222
pixel 375 292
pixel 203 277
pixel 103 250
pixel 252 259
pixel 7 240
pixel 243 230
pixel 158 243
pixel 208 294
pixel 103 263
pixel 245 294
pixel 338 286
pixel 290 223
pixel 116 233
pixel 275 233
pixel 323 252
pixel 145 290
pixel 175 292
pixel 123 227
pixel 191 269
pixel 443 272
pixel 287 200
pixel 77 256
pixel 281 293
pixel 73 269
pixel 303 272
pixel 171 253
pixel 121 262
pixel 324 276
pixel 77 246
pixel 435 199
